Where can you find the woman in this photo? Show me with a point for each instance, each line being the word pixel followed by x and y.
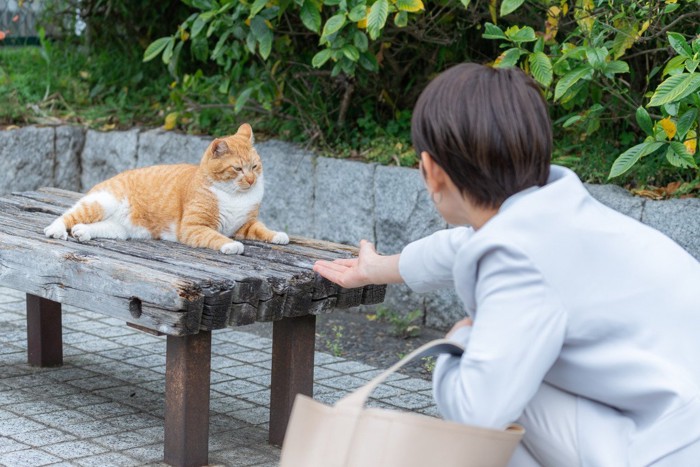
pixel 582 323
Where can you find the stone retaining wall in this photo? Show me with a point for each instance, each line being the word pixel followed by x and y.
pixel 331 199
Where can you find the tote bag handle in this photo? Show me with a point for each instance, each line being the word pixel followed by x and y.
pixel 358 398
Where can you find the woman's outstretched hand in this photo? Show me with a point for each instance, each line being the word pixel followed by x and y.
pixel 368 268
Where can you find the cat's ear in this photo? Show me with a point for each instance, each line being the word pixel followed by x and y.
pixel 219 148
pixel 247 131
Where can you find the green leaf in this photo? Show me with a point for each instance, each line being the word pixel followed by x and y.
pixel 259 28
pixel 509 6
pixel 155 48
pixel 401 19
pixel 218 50
pixel 539 45
pixel 541 68
pixel 627 159
pixel 571 78
pixel 369 62
pixel 596 56
pixel 644 121
pixel 250 42
pixel 466 3
pixel 257 6
pixel 692 65
pixel 491 31
pixel 520 35
pixel 200 49
pixel 337 68
pixel 223 87
pixel 615 67
pixel 360 40
pixel 334 24
pixel 168 52
pixel 674 66
pixel 377 18
pixel 320 58
pixel 351 52
pixel 678 155
pixel 198 26
pixel 679 44
pixel 265 44
pixel 571 120
pixel 685 123
pixel 509 58
pixel 358 13
pixel 671 7
pixel 675 88
pixel 241 99
pixel 310 16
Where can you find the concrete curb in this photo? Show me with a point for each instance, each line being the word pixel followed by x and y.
pixel 332 199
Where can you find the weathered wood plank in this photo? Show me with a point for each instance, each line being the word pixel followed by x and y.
pixel 268 282
pixel 168 304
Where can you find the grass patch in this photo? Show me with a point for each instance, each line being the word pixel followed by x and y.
pixel 57 83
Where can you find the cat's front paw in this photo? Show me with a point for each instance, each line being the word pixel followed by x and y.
pixel 57 229
pixel 232 248
pixel 280 238
pixel 81 232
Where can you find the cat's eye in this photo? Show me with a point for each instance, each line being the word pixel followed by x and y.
pixel 255 166
pixel 237 169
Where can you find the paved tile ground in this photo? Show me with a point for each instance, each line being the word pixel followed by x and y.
pixel 104 406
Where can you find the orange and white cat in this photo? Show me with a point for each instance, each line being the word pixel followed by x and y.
pixel 201 205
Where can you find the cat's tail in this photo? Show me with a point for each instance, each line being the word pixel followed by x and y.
pixel 86 211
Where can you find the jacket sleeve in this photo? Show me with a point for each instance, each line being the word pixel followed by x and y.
pixel 426 264
pixel 518 331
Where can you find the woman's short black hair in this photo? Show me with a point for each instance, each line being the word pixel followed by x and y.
pixel 488 128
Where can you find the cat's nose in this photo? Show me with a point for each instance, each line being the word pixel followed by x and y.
pixel 250 179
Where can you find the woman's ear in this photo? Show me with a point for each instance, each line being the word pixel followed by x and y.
pixel 433 174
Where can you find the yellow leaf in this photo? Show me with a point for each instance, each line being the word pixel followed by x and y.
pixel 645 26
pixel 170 121
pixel 184 35
pixel 411 6
pixel 551 26
pixel 371 317
pixel 492 10
pixel 691 145
pixel 362 24
pixel 669 127
pixel 564 7
pixel 671 1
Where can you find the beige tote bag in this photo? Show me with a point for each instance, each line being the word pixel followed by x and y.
pixel 350 435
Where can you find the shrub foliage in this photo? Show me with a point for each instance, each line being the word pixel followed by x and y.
pixel 346 73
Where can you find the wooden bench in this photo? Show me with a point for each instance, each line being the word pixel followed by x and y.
pixel 184 293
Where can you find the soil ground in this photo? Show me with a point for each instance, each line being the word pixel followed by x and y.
pixel 354 335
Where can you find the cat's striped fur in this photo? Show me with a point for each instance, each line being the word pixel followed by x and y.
pixel 205 205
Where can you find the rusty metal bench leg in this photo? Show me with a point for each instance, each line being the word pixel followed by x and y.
pixel 44 332
pixel 188 363
pixel 292 369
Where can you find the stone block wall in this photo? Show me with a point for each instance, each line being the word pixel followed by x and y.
pixel 305 194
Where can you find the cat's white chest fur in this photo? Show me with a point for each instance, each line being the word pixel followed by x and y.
pixel 235 205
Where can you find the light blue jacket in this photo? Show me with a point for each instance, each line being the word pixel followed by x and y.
pixel 565 290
